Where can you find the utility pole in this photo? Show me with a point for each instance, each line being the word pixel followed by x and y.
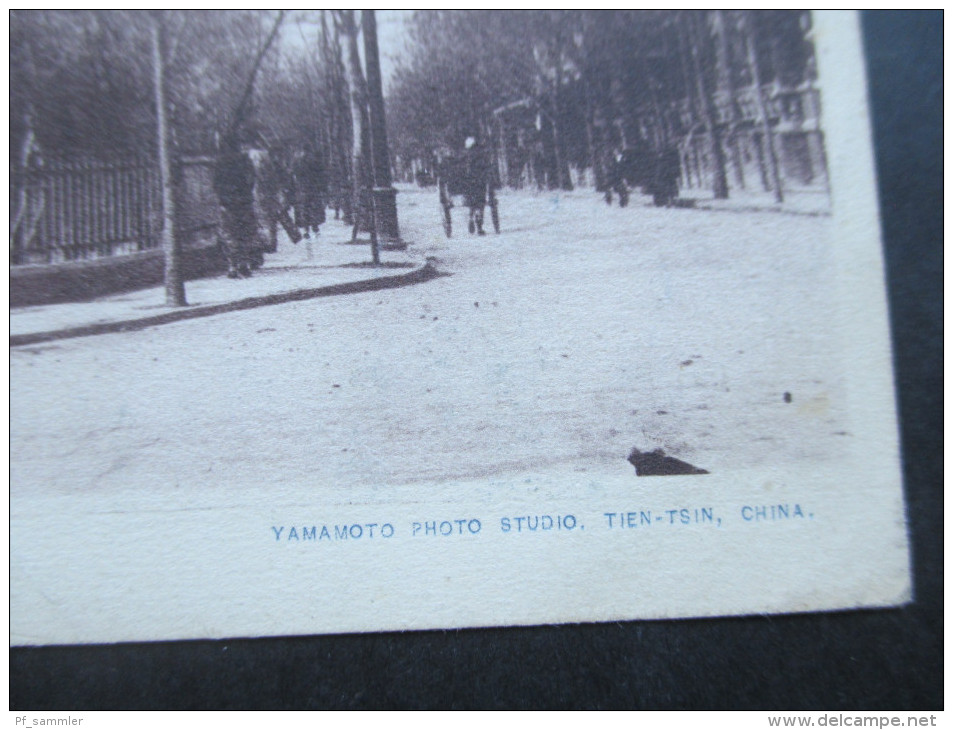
pixel 385 196
pixel 174 285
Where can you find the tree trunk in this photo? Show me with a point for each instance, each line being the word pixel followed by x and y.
pixel 21 230
pixel 174 284
pixel 20 235
pixel 707 108
pixel 726 85
pixel 562 169
pixel 502 159
pixel 339 151
pixel 595 163
pixel 767 132
pixel 361 181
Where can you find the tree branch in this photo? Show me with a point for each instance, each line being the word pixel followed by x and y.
pixel 238 115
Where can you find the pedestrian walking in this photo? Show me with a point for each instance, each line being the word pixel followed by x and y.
pixel 615 178
pixel 311 190
pixel 234 183
pixel 477 183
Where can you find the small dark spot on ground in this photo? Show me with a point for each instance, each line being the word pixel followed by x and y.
pixel 787 397
pixel 656 463
pixel 476 304
pixel 661 413
pixel 266 329
pixel 686 363
pixel 335 386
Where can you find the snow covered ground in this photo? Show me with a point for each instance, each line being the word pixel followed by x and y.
pixel 580 332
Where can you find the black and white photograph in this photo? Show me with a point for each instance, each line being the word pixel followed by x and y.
pixel 336 321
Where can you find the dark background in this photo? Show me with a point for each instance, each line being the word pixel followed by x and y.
pixel 890 659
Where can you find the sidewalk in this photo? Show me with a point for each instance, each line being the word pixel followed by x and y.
pixel 805 201
pixel 813 201
pixel 336 266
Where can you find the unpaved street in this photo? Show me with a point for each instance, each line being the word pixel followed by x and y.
pixel 577 334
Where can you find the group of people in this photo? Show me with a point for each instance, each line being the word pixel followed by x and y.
pixel 656 171
pixel 471 175
pixel 260 190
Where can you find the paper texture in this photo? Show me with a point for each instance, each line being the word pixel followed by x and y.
pixel 599 413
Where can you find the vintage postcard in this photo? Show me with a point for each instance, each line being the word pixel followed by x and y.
pixel 342 321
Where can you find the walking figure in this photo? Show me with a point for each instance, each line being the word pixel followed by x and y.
pixel 614 166
pixel 234 183
pixel 469 175
pixel 311 190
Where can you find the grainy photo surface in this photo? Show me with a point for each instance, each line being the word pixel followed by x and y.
pixel 328 321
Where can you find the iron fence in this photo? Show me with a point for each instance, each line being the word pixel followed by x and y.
pixel 77 209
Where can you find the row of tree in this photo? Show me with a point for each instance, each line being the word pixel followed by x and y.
pixel 82 81
pixel 565 87
pixel 165 85
pixel 568 87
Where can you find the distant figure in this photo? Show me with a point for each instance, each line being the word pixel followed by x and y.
pixel 615 178
pixel 311 190
pixel 234 183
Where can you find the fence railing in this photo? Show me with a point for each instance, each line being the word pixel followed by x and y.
pixel 70 210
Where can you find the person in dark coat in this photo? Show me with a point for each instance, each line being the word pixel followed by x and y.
pixel 311 191
pixel 615 178
pixel 476 183
pixel 234 183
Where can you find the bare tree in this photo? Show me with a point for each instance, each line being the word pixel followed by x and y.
pixel 240 111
